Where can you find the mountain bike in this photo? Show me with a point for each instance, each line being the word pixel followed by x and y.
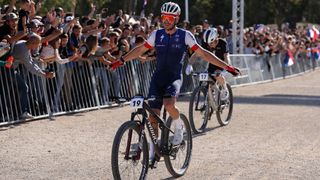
pixel 130 154
pixel 206 100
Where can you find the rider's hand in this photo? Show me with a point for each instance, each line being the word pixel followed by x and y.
pixel 189 69
pixel 233 70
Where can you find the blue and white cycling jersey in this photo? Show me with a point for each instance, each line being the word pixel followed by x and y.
pixel 171 51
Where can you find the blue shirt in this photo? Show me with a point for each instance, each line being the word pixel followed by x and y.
pixel 171 51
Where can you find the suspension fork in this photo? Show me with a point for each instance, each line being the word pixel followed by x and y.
pixel 126 157
pixel 141 137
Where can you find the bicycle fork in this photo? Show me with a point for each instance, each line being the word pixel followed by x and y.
pixel 137 148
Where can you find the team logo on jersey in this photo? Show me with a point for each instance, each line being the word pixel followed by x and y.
pixel 176 46
pixel 161 37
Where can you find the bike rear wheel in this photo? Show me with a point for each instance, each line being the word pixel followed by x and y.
pixel 178 160
pixel 225 109
pixel 130 156
pixel 199 107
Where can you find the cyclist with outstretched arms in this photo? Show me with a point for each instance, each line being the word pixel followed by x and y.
pixel 219 47
pixel 171 44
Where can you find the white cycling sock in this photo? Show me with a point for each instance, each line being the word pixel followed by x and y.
pixel 177 123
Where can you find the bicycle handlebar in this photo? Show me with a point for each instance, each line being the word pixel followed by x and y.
pixel 126 99
pixel 197 74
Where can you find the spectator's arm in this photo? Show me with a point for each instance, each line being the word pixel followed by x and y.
pixel 93 9
pixel 68 26
pixel 48 60
pixel 32 67
pixel 38 6
pixel 90 27
pixel 59 60
pixel 15 38
pixel 107 55
pixel 32 10
pixel 93 32
pixel 103 60
pixel 24 23
pixel 86 60
pixel 52 36
pixel 12 4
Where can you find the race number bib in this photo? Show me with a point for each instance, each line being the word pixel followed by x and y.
pixel 136 102
pixel 203 76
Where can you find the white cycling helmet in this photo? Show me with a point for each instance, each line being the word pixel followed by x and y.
pixel 210 35
pixel 170 8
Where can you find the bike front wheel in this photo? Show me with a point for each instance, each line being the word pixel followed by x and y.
pixel 225 109
pixel 199 110
pixel 179 157
pixel 129 158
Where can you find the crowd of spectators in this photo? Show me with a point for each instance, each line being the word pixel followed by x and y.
pixel 99 38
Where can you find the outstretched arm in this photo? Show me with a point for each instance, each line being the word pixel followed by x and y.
pixel 211 58
pixel 135 53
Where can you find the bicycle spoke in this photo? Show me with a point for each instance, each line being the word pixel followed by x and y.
pixel 224 112
pixel 198 109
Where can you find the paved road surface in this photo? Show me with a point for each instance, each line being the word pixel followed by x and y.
pixel 274 134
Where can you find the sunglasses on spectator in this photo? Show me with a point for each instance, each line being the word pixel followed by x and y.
pixel 169 18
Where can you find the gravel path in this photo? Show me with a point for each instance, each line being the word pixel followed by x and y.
pixel 274 134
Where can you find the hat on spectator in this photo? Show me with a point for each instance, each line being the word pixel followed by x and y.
pixel 36 23
pixel 37 17
pixel 11 16
pixel 69 18
pixel 205 21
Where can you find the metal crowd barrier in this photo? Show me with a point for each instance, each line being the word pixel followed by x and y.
pixel 79 86
pixel 268 67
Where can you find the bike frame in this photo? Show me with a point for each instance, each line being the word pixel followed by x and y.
pixel 161 149
pixel 211 86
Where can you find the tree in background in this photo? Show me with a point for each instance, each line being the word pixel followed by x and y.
pixel 216 11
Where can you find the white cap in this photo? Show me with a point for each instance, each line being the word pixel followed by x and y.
pixel 37 22
pixel 69 18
